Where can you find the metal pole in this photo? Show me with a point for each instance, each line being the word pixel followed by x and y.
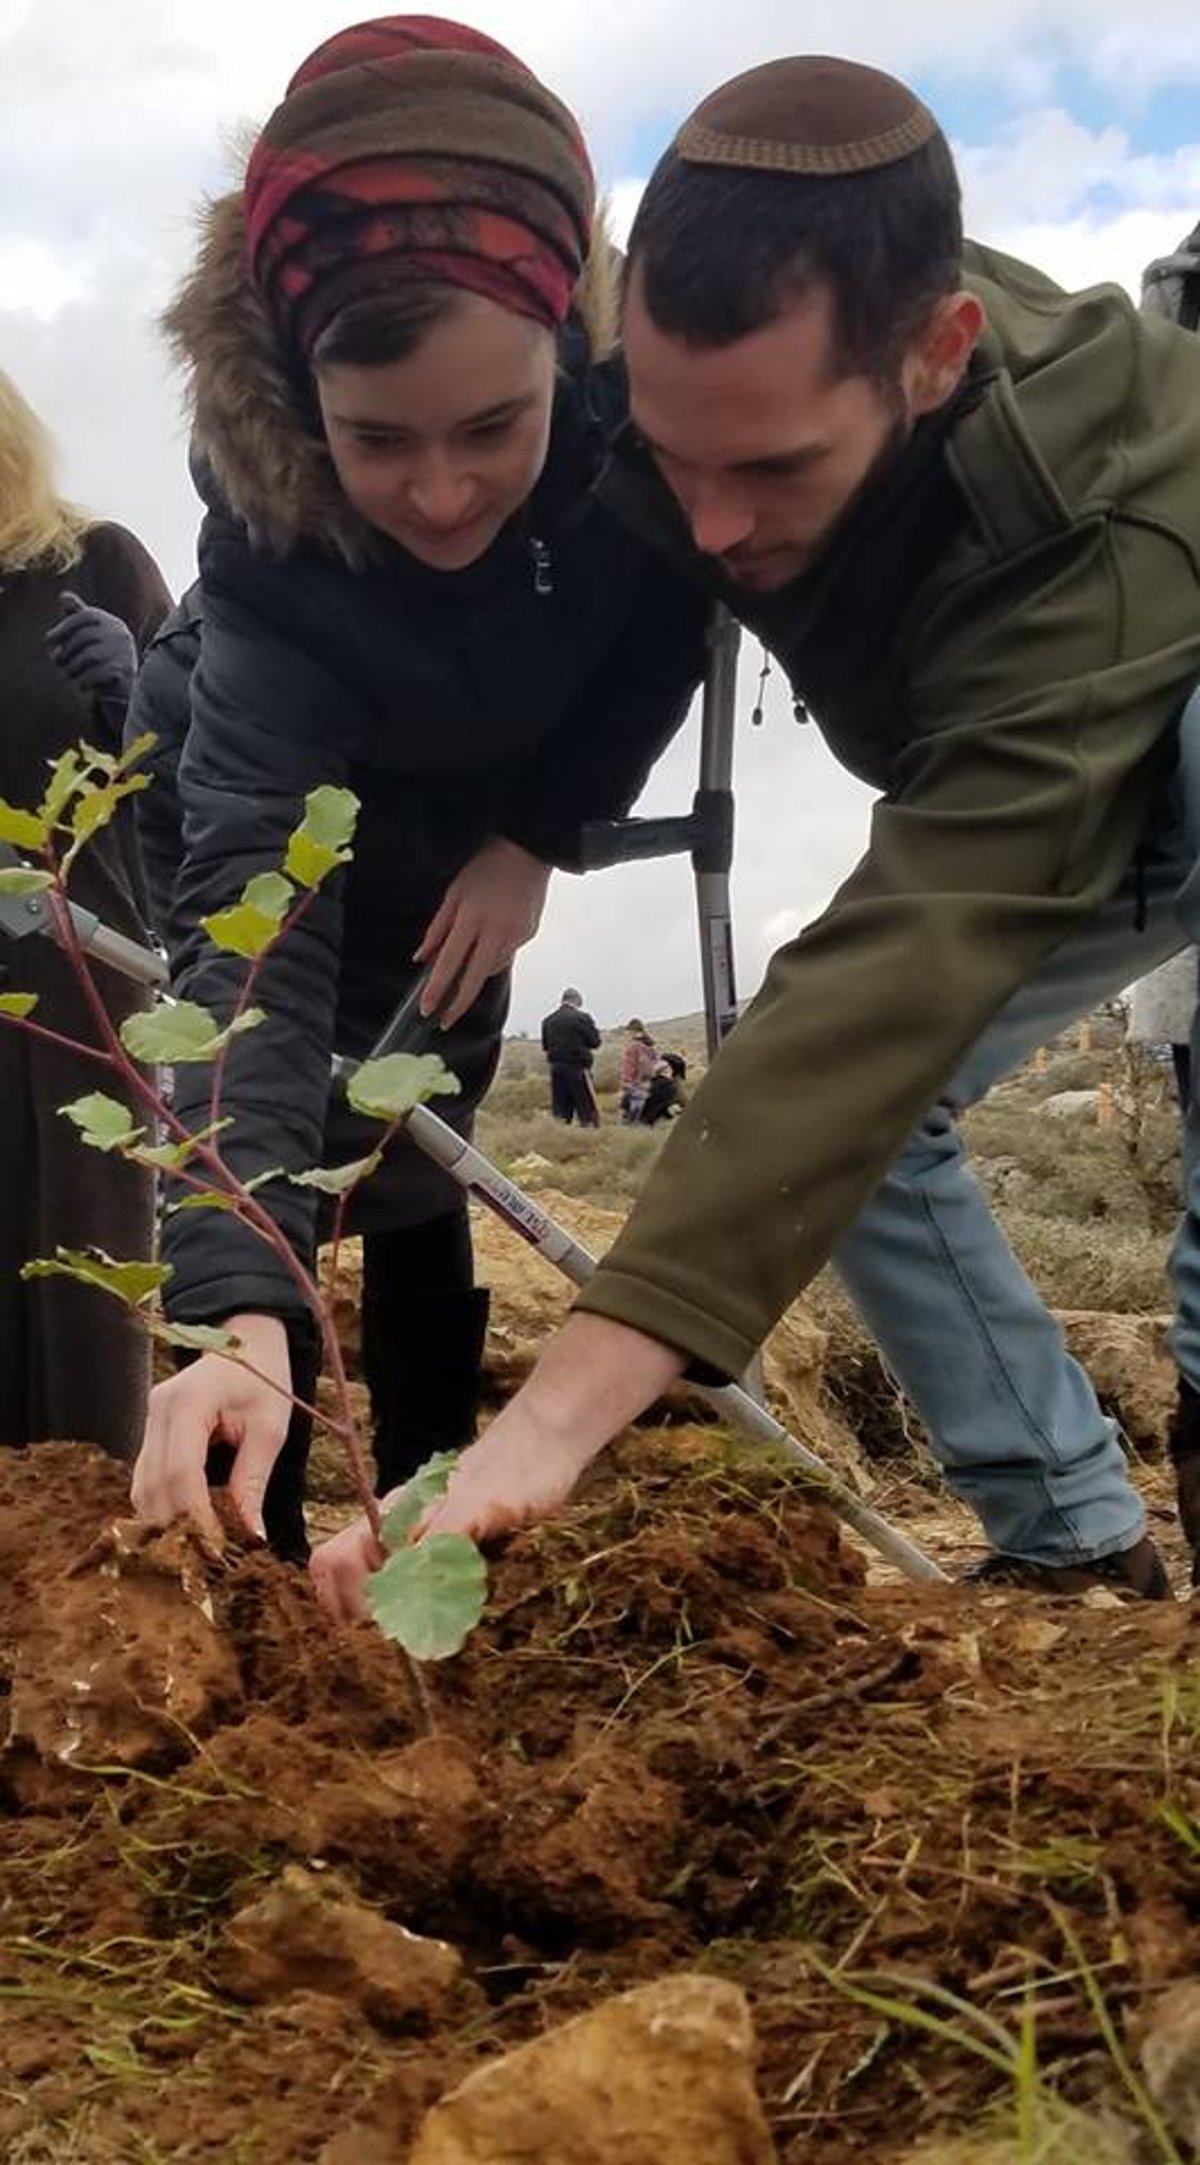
pixel 712 855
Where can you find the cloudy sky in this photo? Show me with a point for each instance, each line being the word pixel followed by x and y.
pixel 1077 124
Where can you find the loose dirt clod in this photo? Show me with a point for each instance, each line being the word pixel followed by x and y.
pixel 121 1663
pixel 661 2076
pixel 308 1933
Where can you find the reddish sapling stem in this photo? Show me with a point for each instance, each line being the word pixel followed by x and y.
pixel 245 998
pixel 344 1201
pixel 52 1037
pixel 226 1353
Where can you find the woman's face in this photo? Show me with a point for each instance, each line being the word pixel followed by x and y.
pixel 440 449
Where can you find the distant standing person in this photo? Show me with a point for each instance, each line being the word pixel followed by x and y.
pixel 639 1056
pixel 569 1039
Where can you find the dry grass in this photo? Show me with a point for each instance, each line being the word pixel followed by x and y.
pixel 1089 1210
pixel 608 1164
pixel 1077 1266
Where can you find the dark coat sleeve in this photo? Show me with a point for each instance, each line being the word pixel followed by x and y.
pixel 596 763
pixel 116 573
pixel 266 727
pixel 161 707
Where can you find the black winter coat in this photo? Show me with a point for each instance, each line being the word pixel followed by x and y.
pixel 161 707
pixel 569 1037
pixel 73 1365
pixel 519 698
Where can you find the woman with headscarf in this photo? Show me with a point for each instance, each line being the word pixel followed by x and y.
pixel 406 588
pixel 78 598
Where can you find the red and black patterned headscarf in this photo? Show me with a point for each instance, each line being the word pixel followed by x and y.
pixel 410 148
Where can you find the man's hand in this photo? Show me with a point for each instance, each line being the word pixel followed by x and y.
pixel 499 1483
pixel 215 1400
pixel 95 649
pixel 592 1380
pixel 488 911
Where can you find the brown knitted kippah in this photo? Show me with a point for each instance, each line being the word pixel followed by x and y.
pixel 807 114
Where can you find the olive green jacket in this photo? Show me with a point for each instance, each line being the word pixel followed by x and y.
pixel 1000 637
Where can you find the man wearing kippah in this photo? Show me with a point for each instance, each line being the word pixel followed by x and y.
pixel 962 509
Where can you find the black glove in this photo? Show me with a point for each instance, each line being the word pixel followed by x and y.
pixel 95 649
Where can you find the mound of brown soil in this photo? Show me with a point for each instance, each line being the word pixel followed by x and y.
pixel 687 1735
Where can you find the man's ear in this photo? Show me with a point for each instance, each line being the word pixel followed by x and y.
pixel 936 361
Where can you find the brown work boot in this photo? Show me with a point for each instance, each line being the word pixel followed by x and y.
pixel 1183 1442
pixel 1139 1570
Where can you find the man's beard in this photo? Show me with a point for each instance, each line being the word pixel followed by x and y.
pixel 807 558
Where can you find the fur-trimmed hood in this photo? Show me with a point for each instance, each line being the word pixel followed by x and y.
pixel 252 427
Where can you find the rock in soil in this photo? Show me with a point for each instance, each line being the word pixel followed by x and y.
pixel 664 2075
pixel 1128 1360
pixel 308 1933
pixel 120 1662
pixel 1171 2061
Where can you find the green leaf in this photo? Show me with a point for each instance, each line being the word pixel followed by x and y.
pixel 66 773
pixel 322 840
pixel 182 1031
pixel 337 1179
pixel 95 805
pixel 250 925
pixel 430 1598
pixel 270 893
pixel 170 1156
pixel 24 879
pixel 104 762
pixel 26 829
pixel 204 1199
pixel 132 1283
pixel 386 1089
pixel 102 1121
pixel 19 1004
pixel 136 750
pixel 424 1487
pixel 241 930
pixel 194 1337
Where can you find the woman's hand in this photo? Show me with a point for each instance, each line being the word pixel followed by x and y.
pixel 488 911
pixel 341 1566
pixel 216 1400
pixel 94 648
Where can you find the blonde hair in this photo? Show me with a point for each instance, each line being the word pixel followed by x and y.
pixel 37 526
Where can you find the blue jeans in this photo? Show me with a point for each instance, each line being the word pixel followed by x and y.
pixel 1013 1420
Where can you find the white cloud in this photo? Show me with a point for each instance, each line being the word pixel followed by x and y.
pixel 46 284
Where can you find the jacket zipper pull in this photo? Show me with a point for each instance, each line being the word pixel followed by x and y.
pixel 543 573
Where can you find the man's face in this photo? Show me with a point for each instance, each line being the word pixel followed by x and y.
pixel 761 441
